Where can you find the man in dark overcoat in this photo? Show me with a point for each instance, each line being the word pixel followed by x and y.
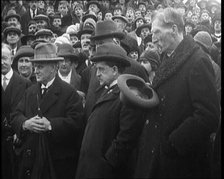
pixel 47 121
pixel 13 88
pixel 174 141
pixel 113 128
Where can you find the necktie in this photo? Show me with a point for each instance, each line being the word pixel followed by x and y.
pixel 13 52
pixel 4 83
pixel 33 11
pixel 44 91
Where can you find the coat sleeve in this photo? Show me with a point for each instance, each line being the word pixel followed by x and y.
pixel 130 127
pixel 193 134
pixel 72 120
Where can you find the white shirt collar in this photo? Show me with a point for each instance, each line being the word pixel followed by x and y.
pixel 31 11
pixel 66 78
pixel 8 76
pixel 48 84
pixel 113 83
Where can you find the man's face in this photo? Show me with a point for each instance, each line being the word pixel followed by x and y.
pixel 78 11
pixel 50 9
pixel 145 32
pixel 120 24
pixel 12 20
pixel 32 28
pixel 161 36
pixel 24 66
pixel 117 12
pixel 148 19
pixel 188 29
pixel 108 16
pixel 12 38
pixel 133 55
pixel 194 19
pixel 146 64
pixel 130 15
pixel 44 72
pixel 85 42
pixel 150 46
pixel 73 39
pixel 93 8
pixel 204 16
pixel 63 9
pixel 33 4
pixel 138 14
pixel 99 16
pixel 142 8
pixel 41 4
pixel 217 25
pixel 6 60
pixel 41 24
pixel 139 23
pixel 189 14
pixel 57 22
pixel 106 3
pixel 65 66
pixel 104 73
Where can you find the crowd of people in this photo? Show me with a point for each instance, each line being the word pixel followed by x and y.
pixel 62 111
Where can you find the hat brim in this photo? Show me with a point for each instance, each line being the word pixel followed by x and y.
pixel 13 15
pixel 47 59
pixel 112 58
pixel 138 30
pixel 71 56
pixel 12 30
pixel 85 31
pixel 118 35
pixel 89 16
pixel 25 54
pixel 119 17
pixel 134 91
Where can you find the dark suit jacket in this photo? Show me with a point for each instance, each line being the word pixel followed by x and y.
pixel 10 98
pixel 111 135
pixel 62 106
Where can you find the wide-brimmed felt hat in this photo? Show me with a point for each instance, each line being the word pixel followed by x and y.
pixel 135 92
pixel 44 32
pixel 124 19
pixel 11 29
pixel 45 52
pixel 138 18
pixel 24 38
pixel 151 56
pixel 202 1
pixel 138 30
pixel 23 51
pixel 93 2
pixel 12 13
pixel 66 50
pixel 87 29
pixel 106 29
pixel 111 52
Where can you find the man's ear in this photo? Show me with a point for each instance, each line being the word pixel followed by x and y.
pixel 174 29
pixel 115 69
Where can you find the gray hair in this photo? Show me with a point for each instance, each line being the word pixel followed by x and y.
pixel 170 16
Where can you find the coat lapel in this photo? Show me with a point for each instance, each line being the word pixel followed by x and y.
pixel 51 96
pixel 171 65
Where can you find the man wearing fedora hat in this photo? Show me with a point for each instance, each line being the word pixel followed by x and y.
pixel 12 36
pixel 13 18
pixel 67 67
pixel 13 88
pixel 113 129
pixel 44 34
pixel 48 121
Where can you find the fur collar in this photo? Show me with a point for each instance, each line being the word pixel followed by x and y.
pixel 171 65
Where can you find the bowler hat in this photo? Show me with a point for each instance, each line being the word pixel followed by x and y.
pixel 37 41
pixel 66 50
pixel 86 29
pixel 106 29
pixel 44 32
pixel 41 17
pixel 12 29
pixel 26 37
pixel 90 15
pixel 45 52
pixel 111 52
pixel 138 18
pixel 23 51
pixel 93 2
pixel 124 19
pixel 135 92
pixel 12 13
pixel 139 29
pixel 204 38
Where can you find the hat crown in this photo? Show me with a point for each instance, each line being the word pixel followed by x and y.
pixel 150 55
pixel 65 49
pixel 111 48
pixel 105 27
pixel 203 38
pixel 45 51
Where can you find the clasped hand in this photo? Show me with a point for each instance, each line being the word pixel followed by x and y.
pixel 37 124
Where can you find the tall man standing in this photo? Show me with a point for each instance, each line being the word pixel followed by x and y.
pixel 113 129
pixel 177 131
pixel 48 121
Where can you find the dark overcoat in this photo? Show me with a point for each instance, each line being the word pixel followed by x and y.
pixel 110 139
pixel 175 137
pixel 62 106
pixel 10 98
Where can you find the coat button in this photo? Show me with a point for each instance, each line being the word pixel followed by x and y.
pixel 160 115
pixel 146 122
pixel 156 125
pixel 27 172
pixel 28 152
